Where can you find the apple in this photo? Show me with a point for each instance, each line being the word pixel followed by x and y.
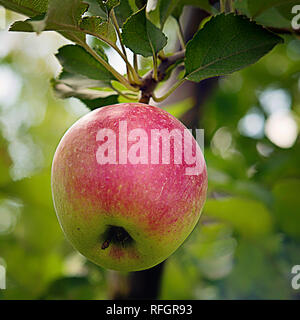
pixel 122 202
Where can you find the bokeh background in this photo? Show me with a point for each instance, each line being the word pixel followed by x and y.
pixel 248 238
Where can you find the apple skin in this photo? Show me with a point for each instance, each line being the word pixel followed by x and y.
pixel 157 204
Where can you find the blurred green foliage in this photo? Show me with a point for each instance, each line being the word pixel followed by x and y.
pixel 248 237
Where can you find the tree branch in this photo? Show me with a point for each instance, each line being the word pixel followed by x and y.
pixel 149 83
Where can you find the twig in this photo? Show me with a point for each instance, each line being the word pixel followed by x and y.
pixel 149 83
pixel 130 70
pixel 155 67
pixel 180 35
pixel 159 99
pixel 222 5
pixel 127 96
pixel 135 63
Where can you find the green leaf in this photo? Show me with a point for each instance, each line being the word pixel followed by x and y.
pixel 142 36
pixel 95 9
pixel 123 11
pixel 256 7
pixel 140 3
pixel 250 218
pixel 273 18
pixel 121 8
pixel 78 86
pixel 23 26
pixel 166 7
pixel 78 82
pixel 68 22
pixel 97 25
pixel 225 44
pixel 62 18
pixel 271 13
pixel 29 8
pixel 75 59
pixel 98 47
pixel 285 9
pixel 101 102
pixel 108 5
pixel 68 14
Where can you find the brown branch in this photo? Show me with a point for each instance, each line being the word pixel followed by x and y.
pixel 149 83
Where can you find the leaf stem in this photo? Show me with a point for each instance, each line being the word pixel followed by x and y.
pixel 161 55
pixel 135 63
pixel 134 98
pixel 106 65
pixel 180 35
pixel 226 6
pixel 110 43
pixel 130 71
pixel 114 46
pixel 155 67
pixel 117 28
pixel 169 92
pixel 222 5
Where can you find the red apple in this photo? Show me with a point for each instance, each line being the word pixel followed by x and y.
pixel 134 211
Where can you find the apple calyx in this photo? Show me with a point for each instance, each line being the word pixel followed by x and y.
pixel 116 235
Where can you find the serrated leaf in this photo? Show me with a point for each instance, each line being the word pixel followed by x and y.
pixel 62 18
pixel 75 59
pixel 98 26
pixel 225 44
pixel 142 36
pixel 30 8
pixel 68 22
